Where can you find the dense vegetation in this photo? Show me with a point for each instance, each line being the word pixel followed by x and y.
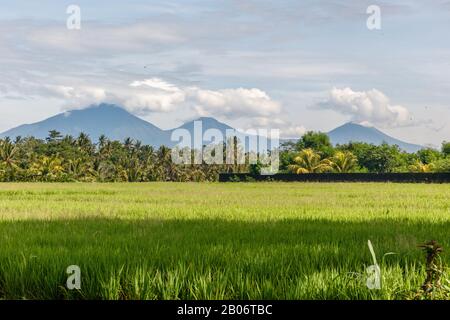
pixel 314 153
pixel 67 158
pixel 219 241
pixel 79 159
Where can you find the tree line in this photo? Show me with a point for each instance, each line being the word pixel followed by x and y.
pixel 65 158
pixel 314 153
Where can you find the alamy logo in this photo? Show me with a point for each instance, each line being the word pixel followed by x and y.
pixel 373 271
pixel 74 279
pixel 234 147
pixel 74 20
pixel 374 20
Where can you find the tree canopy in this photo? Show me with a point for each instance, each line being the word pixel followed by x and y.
pixel 67 158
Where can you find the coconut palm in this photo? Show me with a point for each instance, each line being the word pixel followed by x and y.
pixel 343 161
pixel 79 169
pixel 47 168
pixel 102 139
pixel 106 171
pixel 165 164
pixel 128 144
pixel 309 161
pixel 419 166
pixel 134 169
pixel 8 158
pixel 84 143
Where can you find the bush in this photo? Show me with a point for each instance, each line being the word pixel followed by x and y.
pixel 234 179
pixel 249 179
pixel 442 165
pixel 255 168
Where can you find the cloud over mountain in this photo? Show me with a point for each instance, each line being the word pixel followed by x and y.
pixel 372 107
pixel 235 102
pixel 158 95
pixel 153 95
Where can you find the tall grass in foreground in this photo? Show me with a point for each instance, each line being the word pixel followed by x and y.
pixel 218 241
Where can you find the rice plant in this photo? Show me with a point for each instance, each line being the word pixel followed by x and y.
pixel 218 241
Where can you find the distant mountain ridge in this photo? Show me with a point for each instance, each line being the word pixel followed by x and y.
pixel 206 124
pixel 114 122
pixel 353 132
pixel 117 124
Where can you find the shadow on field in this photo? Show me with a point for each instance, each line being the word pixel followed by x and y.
pixel 132 238
pixel 205 259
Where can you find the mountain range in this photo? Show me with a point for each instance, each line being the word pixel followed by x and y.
pixel 117 124
pixel 356 132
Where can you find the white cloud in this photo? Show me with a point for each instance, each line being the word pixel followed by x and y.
pixel 368 107
pixel 157 95
pixel 252 107
pixel 151 95
pixel 287 128
pixel 235 103
pixel 293 131
pixel 156 83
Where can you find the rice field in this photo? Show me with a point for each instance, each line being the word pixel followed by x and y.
pixel 218 241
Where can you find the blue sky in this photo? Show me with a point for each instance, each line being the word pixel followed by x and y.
pixel 309 65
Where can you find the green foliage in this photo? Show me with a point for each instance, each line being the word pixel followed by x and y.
pixel 427 156
pixel 317 141
pixel 382 158
pixel 445 148
pixel 421 167
pixel 249 179
pixel 255 168
pixel 66 158
pixel 59 158
pixel 309 161
pixel 344 161
pixel 235 178
pixel 287 158
pixel 8 160
pixel 361 157
pixel 442 165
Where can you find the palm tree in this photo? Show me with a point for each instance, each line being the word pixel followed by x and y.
pixel 102 141
pixel 106 150
pixel 343 161
pixel 47 168
pixel 53 136
pixel 18 140
pixel 133 169
pixel 8 152
pixel 421 167
pixel 79 168
pixel 234 155
pixel 128 144
pixel 84 143
pixel 69 140
pixel 168 169
pixel 309 161
pixel 138 145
